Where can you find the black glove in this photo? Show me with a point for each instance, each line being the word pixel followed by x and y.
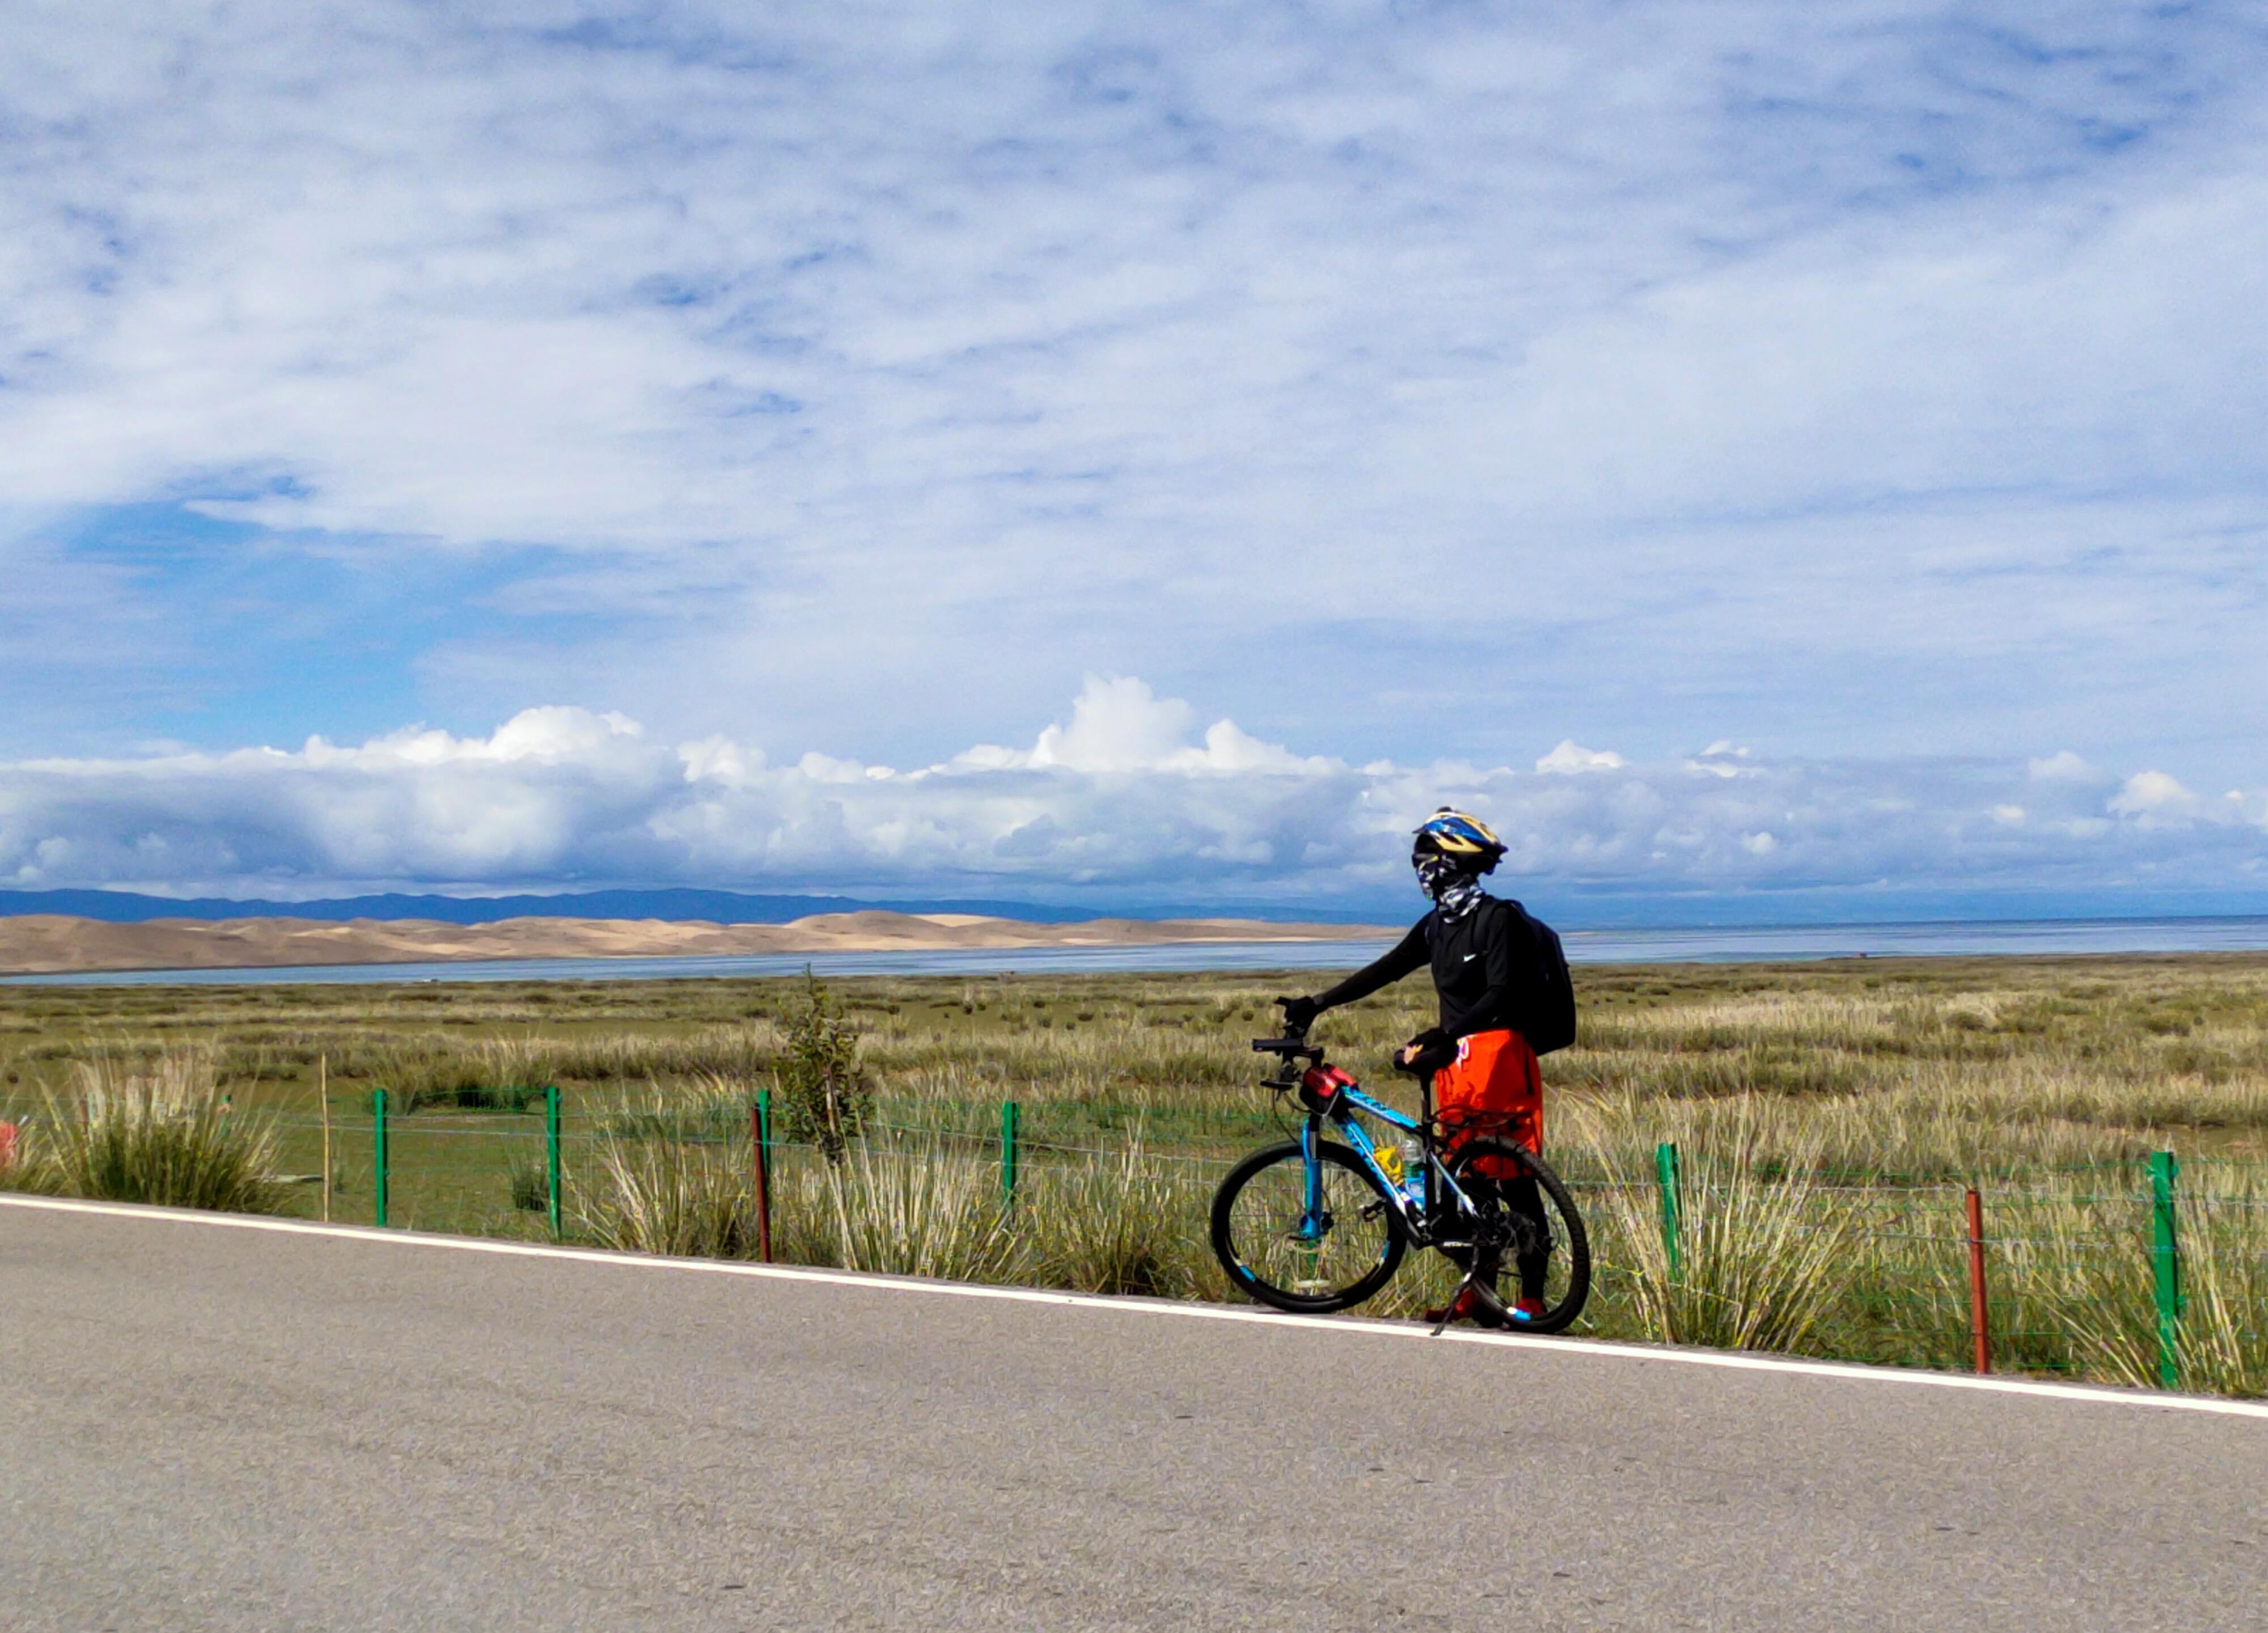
pixel 1299 1013
pixel 1426 1053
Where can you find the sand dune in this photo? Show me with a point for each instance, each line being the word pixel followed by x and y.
pixel 45 943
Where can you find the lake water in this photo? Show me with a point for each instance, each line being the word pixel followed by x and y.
pixel 1584 946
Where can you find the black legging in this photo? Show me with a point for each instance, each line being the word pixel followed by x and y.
pixel 1525 1197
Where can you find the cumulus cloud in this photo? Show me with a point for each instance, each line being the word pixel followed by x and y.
pixel 1119 724
pixel 1126 797
pixel 2152 796
pixel 2063 766
pixel 1571 757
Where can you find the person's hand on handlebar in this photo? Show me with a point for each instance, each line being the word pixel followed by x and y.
pixel 1299 1013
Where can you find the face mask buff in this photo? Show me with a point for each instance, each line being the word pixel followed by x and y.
pixel 1455 892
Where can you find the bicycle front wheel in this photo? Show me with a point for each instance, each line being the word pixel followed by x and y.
pixel 1307 1252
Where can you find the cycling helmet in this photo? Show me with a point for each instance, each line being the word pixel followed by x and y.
pixel 1464 842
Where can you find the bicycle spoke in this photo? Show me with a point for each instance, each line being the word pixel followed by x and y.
pixel 1303 1251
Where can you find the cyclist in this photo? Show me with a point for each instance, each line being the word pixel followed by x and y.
pixel 1482 952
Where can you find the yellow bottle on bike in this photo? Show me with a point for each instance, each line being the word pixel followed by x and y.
pixel 1389 1162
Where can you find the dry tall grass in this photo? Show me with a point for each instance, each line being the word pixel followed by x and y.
pixel 1118 1223
pixel 902 1205
pixel 1845 1102
pixel 909 1212
pixel 165 1134
pixel 1761 1264
pixel 669 1185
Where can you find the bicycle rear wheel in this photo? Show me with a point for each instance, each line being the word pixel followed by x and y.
pixel 1529 1226
pixel 1282 1252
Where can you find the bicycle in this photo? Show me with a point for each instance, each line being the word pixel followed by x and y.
pixel 1317 1225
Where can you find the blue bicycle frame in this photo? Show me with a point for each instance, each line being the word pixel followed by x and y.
pixel 1349 1101
pixel 1488 1217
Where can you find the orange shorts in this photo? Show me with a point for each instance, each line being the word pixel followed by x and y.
pixel 1494 1086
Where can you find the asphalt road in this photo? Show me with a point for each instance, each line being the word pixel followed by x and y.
pixel 204 1427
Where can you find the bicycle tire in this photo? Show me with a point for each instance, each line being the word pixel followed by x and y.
pixel 1268 1237
pixel 1565 1301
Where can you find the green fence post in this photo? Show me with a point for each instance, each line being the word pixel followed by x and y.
pixel 1008 1112
pixel 760 1171
pixel 2167 1257
pixel 377 1151
pixel 760 1140
pixel 551 1154
pixel 1665 1162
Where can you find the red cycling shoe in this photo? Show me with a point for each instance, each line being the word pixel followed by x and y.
pixel 1467 1306
pixel 1464 1307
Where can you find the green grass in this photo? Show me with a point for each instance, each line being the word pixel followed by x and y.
pixel 158 1131
pixel 1830 1116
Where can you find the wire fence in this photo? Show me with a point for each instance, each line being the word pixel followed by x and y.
pixel 2149 1271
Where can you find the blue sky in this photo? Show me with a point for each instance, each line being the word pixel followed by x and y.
pixel 1819 419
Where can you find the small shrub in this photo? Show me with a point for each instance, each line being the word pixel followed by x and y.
pixel 825 1097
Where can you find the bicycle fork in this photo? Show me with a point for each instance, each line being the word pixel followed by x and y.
pixel 1311 1223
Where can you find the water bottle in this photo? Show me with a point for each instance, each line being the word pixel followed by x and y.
pixel 1413 1173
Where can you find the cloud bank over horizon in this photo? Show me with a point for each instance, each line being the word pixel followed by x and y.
pixel 1123 803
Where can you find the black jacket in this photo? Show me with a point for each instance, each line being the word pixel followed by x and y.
pixel 1482 965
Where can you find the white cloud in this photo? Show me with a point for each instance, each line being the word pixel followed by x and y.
pixel 1119 724
pixel 2154 795
pixel 1128 799
pixel 2063 766
pixel 1115 726
pixel 1571 758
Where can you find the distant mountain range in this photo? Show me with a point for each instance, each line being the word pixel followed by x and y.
pixel 718 907
pixel 1566 907
pixel 53 945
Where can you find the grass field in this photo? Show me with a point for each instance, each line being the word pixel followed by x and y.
pixel 1830 1116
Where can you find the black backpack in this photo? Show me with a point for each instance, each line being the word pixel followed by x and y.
pixel 1548 1007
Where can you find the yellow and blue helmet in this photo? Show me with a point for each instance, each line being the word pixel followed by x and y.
pixel 1464 842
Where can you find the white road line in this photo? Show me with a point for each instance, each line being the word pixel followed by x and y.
pixel 1346 1326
